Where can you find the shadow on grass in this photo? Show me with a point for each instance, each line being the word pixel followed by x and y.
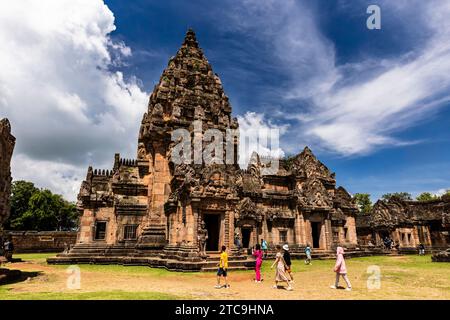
pixel 11 276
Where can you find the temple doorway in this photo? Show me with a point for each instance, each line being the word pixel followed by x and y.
pixel 246 232
pixel 315 230
pixel 212 222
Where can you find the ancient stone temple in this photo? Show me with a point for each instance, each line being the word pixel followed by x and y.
pixel 407 223
pixel 7 142
pixel 151 210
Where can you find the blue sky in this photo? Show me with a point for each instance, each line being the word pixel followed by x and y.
pixel 253 80
pixel 373 105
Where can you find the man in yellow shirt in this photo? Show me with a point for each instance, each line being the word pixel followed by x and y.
pixel 223 266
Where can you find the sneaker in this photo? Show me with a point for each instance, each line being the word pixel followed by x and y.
pixel 333 287
pixel 218 286
pixel 275 287
pixel 348 289
pixel 289 288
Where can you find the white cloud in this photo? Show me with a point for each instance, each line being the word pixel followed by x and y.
pixel 440 192
pixel 258 135
pixel 290 29
pixel 60 177
pixel 66 107
pixel 357 118
pixel 354 108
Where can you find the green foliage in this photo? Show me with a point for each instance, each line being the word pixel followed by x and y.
pixel 397 196
pixel 364 202
pixel 39 209
pixel 426 196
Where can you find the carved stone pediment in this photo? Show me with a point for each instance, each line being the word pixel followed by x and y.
pixel 381 216
pixel 344 200
pixel 307 165
pixel 316 194
pixel 247 209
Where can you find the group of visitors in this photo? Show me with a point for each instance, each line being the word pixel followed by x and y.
pixel 282 263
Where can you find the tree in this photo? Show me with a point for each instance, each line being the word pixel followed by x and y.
pixel 397 196
pixel 21 192
pixel 364 202
pixel 40 209
pixel 426 196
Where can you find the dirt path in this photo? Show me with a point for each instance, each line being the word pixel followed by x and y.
pixel 311 282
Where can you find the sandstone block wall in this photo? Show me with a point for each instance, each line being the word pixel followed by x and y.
pixel 41 241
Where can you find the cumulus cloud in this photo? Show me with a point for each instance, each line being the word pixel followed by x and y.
pixel 356 108
pixel 358 118
pixel 259 135
pixel 66 106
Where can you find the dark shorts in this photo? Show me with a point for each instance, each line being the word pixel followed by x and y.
pixel 222 272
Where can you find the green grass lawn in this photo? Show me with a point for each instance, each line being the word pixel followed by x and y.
pixel 403 277
pixel 5 294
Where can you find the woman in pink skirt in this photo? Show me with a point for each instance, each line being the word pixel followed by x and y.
pixel 258 254
pixel 280 275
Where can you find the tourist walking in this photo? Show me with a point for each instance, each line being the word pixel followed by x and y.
pixel 308 254
pixel 341 270
pixel 264 247
pixel 223 267
pixel 287 259
pixel 280 274
pixel 258 254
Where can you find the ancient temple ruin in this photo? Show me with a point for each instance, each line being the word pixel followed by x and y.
pixel 407 223
pixel 7 142
pixel 152 211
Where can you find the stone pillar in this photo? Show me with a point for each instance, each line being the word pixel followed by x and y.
pixel 229 229
pixel 7 143
pixel 427 235
pixel 154 234
pixel 328 234
pixel 415 236
pixel 351 230
pixel 196 224
pixel 308 232
pixel 297 229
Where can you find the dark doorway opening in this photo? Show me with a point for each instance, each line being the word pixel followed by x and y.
pixel 212 222
pixel 315 229
pixel 246 237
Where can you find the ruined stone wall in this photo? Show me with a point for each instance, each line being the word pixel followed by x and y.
pixel 43 241
pixel 7 142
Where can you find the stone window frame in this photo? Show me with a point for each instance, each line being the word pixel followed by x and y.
pixel 127 232
pixel 284 232
pixel 96 238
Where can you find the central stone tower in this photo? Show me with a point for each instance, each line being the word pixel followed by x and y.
pixel 188 91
